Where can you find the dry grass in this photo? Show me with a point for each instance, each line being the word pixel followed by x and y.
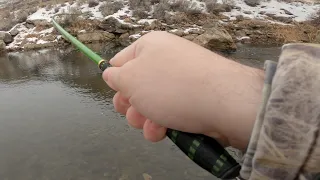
pixel 160 10
pixel 108 7
pixel 214 8
pixel 315 20
pixel 32 36
pixel 140 13
pixel 140 4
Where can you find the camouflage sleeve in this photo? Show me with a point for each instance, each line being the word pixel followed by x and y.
pixel 285 142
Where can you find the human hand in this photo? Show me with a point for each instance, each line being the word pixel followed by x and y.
pixel 164 81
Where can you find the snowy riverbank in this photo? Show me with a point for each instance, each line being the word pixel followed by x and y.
pixel 125 21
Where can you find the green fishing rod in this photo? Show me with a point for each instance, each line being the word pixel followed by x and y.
pixel 203 150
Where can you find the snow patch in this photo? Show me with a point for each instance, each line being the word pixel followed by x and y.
pixel 186 31
pixel 149 21
pixel 42 42
pixel 300 11
pixel 242 38
pixel 135 36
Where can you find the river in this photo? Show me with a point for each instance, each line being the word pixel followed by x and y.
pixel 57 122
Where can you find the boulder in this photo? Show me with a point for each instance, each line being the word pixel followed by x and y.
pixel 32 46
pixel 6 37
pixel 113 25
pixel 252 3
pixel 14 31
pixel 99 36
pixel 286 11
pixel 2 46
pixel 216 40
pixel 124 39
pixel 38 22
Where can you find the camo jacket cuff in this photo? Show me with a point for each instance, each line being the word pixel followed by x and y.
pixel 285 142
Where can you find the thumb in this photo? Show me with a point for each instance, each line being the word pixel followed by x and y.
pixel 111 77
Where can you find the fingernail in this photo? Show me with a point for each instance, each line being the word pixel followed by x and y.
pixel 105 75
pixel 111 60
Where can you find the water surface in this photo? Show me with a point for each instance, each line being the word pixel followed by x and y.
pixel 57 122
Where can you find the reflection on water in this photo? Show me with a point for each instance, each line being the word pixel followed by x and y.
pixel 57 122
pixel 253 55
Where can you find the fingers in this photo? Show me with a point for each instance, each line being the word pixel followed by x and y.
pixel 121 104
pixel 135 119
pixel 111 77
pixel 124 55
pixel 153 132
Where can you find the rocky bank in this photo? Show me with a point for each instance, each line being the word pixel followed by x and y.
pixel 218 26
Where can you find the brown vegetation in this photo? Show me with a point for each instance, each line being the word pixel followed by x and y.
pixel 110 7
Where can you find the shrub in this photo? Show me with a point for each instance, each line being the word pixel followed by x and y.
pixel 93 3
pixel 185 6
pixel 180 5
pixel 316 18
pixel 215 8
pixel 229 2
pixel 193 9
pixel 211 5
pixel 140 13
pixel 160 10
pixel 140 4
pixel 108 8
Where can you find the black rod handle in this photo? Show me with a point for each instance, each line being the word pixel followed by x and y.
pixel 207 153
pixel 203 150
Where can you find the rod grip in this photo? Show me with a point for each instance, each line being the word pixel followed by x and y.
pixel 203 150
pixel 207 153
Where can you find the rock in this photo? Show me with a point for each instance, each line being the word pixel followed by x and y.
pixel 239 18
pixel 317 38
pixel 286 11
pixel 245 40
pixel 95 37
pixel 178 32
pixel 124 39
pixel 283 19
pixel 252 3
pixel 190 37
pixel 216 39
pixel 247 12
pixel 237 8
pixel 262 12
pixel 196 31
pixel 155 25
pixel 29 26
pixel 21 16
pixel 2 46
pixel 14 31
pixel 258 32
pixel 30 46
pixel 6 37
pixel 39 22
pixel 113 25
pixel 49 37
pixel 240 33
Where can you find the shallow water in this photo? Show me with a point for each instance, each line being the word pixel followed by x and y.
pixel 57 122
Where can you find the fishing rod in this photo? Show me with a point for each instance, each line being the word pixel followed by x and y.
pixel 203 150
